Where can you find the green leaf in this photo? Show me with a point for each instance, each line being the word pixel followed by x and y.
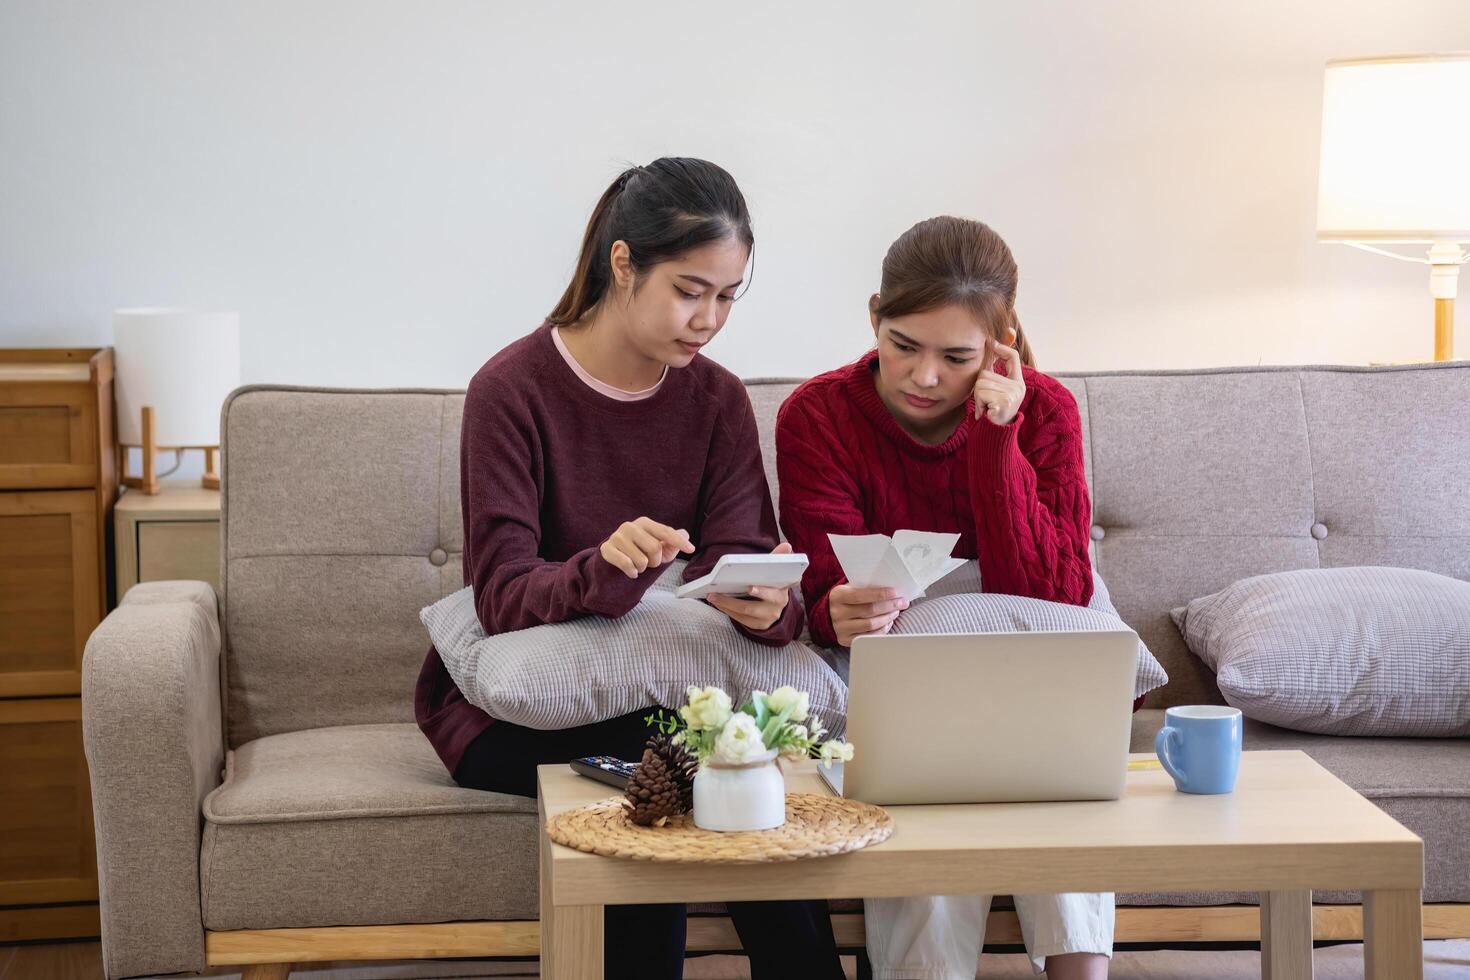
pixel 666 723
pixel 773 727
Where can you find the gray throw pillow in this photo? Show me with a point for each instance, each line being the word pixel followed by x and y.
pixel 955 604
pixel 566 674
pixel 1340 651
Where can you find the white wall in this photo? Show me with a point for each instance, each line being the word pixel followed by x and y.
pixel 389 192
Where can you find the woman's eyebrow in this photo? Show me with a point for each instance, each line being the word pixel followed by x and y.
pixel 706 282
pixel 912 342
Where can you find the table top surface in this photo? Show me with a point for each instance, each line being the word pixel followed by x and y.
pixel 1289 824
pixel 175 498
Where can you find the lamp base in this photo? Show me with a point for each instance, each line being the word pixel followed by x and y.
pixel 1444 329
pixel 1445 259
pixel 148 482
pixel 210 479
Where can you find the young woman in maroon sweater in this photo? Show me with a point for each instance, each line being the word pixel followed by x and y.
pixel 567 513
pixel 946 426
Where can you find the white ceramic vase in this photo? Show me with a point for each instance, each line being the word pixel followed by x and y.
pixel 746 797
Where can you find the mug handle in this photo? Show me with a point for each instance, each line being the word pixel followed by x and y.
pixel 1162 740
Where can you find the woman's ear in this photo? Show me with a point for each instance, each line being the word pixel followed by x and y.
pixel 873 313
pixel 621 261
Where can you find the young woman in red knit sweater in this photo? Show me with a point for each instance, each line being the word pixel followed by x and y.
pixel 946 426
pixel 566 514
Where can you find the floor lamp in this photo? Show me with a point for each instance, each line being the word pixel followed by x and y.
pixel 174 370
pixel 1393 169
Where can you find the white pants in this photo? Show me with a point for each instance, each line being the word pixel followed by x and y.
pixel 937 937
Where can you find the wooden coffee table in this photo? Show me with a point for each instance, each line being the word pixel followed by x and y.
pixel 1289 827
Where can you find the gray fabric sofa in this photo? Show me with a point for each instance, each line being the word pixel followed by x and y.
pixel 255 764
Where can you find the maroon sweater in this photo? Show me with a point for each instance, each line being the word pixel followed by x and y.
pixel 549 468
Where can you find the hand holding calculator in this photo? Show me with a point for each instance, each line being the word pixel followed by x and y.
pixel 735 574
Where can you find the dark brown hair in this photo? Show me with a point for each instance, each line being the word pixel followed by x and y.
pixel 949 261
pixel 661 211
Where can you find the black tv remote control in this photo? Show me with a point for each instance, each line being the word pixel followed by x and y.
pixel 605 769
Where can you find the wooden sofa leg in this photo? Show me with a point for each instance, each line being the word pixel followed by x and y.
pixel 267 971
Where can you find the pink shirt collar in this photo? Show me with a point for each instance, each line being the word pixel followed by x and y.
pixel 602 387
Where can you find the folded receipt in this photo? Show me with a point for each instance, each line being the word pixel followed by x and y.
pixel 909 562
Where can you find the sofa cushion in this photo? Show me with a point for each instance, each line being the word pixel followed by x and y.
pixel 358 825
pixel 957 603
pixel 1200 478
pixel 561 675
pixel 339 521
pixel 766 396
pixel 1422 783
pixel 1340 651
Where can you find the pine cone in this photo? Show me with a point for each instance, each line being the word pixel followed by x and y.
pixel 680 763
pixel 653 791
pixel 663 785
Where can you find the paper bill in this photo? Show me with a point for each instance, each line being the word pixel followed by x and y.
pixel 909 562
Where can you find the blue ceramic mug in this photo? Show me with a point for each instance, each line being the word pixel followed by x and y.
pixel 1199 746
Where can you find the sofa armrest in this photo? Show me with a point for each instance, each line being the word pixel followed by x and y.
pixel 151 723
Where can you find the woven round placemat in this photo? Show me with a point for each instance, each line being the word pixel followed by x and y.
pixel 816 826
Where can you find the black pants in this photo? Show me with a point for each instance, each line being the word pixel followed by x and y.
pixel 782 939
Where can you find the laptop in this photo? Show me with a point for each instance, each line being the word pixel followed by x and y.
pixel 988 717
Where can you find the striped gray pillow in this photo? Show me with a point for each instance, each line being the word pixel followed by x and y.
pixel 566 674
pixel 955 604
pixel 1340 651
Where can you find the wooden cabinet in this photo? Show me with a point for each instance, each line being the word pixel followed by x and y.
pixel 58 482
pixel 50 595
pixel 48 429
pixel 45 804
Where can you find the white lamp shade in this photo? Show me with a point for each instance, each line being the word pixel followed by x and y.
pixel 1395 149
pixel 181 362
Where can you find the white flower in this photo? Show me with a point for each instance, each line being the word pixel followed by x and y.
pixel 739 742
pixel 816 727
pixel 835 751
pixel 787 696
pixel 708 708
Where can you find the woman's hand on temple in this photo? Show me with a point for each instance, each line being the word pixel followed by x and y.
pixel 1000 395
pixel 765 605
pixel 862 612
pixel 639 545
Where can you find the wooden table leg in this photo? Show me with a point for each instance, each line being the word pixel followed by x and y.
pixel 571 935
pixel 1393 935
pixel 266 971
pixel 575 944
pixel 1286 935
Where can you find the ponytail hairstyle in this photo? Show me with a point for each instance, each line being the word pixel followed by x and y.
pixel 661 211
pixel 948 261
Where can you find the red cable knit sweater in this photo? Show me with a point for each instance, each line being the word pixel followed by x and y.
pixel 1016 493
